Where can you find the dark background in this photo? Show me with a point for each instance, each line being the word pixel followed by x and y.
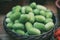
pixel 6 5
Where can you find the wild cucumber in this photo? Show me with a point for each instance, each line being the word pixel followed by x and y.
pixel 34 31
pixel 28 9
pixel 40 7
pixel 43 13
pixel 48 14
pixel 23 9
pixel 16 21
pixel 9 14
pixel 49 25
pixel 15 16
pixel 39 18
pixel 33 5
pixel 10 25
pixel 16 8
pixel 8 20
pixel 24 18
pixel 28 25
pixel 39 26
pixel 18 26
pixel 36 11
pixel 20 32
pixel 31 17
pixel 48 20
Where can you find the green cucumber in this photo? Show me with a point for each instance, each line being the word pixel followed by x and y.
pixel 16 21
pixel 49 26
pixel 23 9
pixel 49 14
pixel 39 26
pixel 20 32
pixel 28 25
pixel 8 20
pixel 39 18
pixel 33 5
pixel 43 13
pixel 15 16
pixel 16 8
pixel 8 14
pixel 24 18
pixel 31 17
pixel 28 9
pixel 48 20
pixel 40 7
pixel 34 31
pixel 10 25
pixel 18 26
pixel 36 11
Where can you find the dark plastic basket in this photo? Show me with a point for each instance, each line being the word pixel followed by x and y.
pixel 14 35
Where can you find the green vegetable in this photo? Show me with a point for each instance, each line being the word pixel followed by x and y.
pixel 43 13
pixel 31 30
pixel 39 18
pixel 31 17
pixel 36 11
pixel 24 18
pixel 8 20
pixel 18 26
pixel 39 26
pixel 10 25
pixel 28 25
pixel 9 14
pixel 48 14
pixel 23 9
pixel 16 8
pixel 40 7
pixel 49 25
pixel 34 31
pixel 16 21
pixel 33 5
pixel 28 9
pixel 20 32
pixel 15 16
pixel 48 20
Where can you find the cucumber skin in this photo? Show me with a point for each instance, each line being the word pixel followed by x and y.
pixel 39 18
pixel 31 17
pixel 34 31
pixel 20 32
pixel 33 5
pixel 18 26
pixel 49 26
pixel 39 26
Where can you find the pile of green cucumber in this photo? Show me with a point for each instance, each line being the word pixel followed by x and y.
pixel 31 19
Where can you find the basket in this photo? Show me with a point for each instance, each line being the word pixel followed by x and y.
pixel 44 36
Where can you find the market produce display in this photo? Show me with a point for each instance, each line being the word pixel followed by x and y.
pixel 31 19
